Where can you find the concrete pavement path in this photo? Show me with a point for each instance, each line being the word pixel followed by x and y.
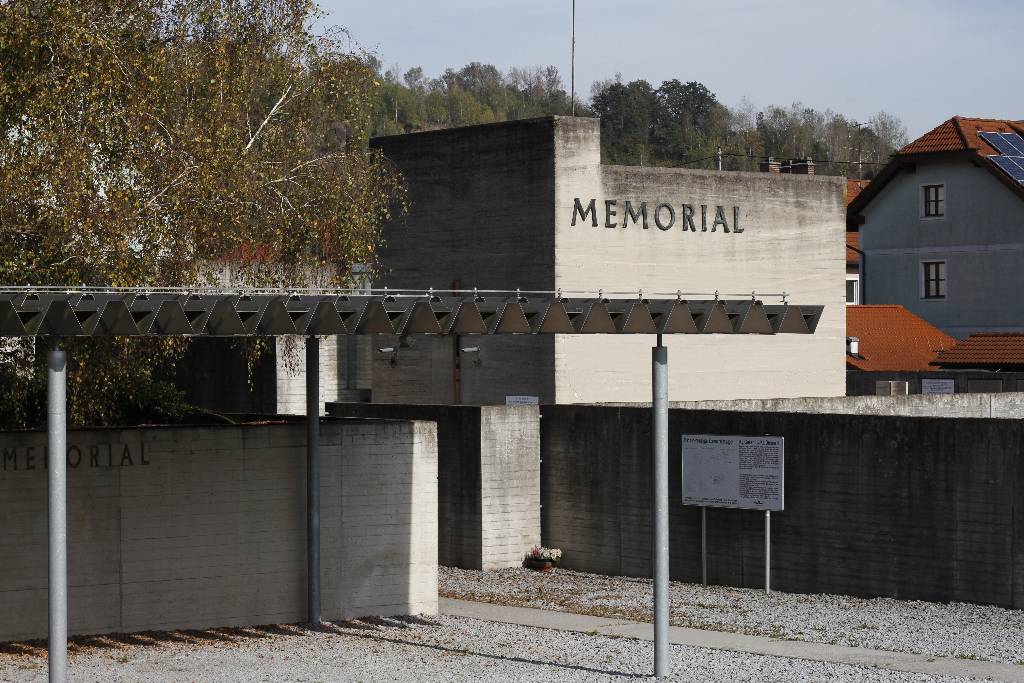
pixel 736 642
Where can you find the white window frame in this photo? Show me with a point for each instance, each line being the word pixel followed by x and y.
pixel 921 279
pixel 856 290
pixel 921 201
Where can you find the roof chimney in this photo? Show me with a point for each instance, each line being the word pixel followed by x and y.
pixel 769 165
pixel 803 166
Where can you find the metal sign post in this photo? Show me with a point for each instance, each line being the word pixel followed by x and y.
pixel 703 545
pixel 659 438
pixel 745 472
pixel 57 473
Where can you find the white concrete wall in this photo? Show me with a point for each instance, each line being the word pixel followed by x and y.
pixel 509 484
pixel 291 373
pixel 793 241
pixel 205 527
pixel 981 238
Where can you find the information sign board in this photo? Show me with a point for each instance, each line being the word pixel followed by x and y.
pixel 734 471
pixel 522 400
pixel 937 386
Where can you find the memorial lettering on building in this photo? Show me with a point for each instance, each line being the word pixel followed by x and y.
pixel 663 215
pixel 15 458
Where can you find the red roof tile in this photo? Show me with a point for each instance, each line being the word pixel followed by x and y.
pixel 893 338
pixel 854 188
pixel 985 350
pixel 852 244
pixel 959 134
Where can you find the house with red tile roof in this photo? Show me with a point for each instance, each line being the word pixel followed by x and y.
pixel 853 279
pixel 941 227
pixel 985 351
pixel 891 338
pixel 892 351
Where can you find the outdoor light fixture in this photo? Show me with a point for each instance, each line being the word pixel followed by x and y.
pixel 470 349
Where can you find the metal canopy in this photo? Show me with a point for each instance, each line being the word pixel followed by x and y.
pixel 97 312
pixel 56 312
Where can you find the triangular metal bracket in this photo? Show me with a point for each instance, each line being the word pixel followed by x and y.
pixel 60 320
pixel 553 320
pixel 637 320
pixel 752 319
pixel 467 320
pixel 10 322
pixel 714 320
pixel 595 319
pixel 375 319
pixel 421 319
pixel 675 318
pixel 223 320
pixel 276 320
pixel 116 320
pixel 511 319
pixel 787 319
pixel 324 319
pixel 170 319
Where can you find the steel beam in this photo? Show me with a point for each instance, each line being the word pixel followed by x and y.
pixel 56 463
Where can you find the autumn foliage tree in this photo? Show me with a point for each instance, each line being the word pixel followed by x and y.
pixel 180 142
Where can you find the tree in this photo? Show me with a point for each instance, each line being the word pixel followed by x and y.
pixel 627 114
pixel 181 142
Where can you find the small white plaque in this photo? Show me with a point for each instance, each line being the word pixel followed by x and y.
pixel 522 400
pixel 937 386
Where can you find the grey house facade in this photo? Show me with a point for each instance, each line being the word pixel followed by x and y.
pixel 528 204
pixel 942 231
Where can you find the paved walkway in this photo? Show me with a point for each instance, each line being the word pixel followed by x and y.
pixel 859 656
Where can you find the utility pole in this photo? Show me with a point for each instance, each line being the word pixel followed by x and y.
pixel 719 157
pixel 572 62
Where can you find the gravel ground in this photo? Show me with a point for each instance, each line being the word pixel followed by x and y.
pixel 951 630
pixel 412 649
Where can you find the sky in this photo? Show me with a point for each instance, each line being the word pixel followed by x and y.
pixel 921 60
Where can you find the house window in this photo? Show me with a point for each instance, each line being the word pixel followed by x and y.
pixel 934 201
pixel 852 293
pixel 933 279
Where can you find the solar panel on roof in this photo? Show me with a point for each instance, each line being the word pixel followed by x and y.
pixel 1012 166
pixel 1009 144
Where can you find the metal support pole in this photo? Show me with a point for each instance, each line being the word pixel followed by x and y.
pixel 56 463
pixel 768 551
pixel 703 545
pixel 659 446
pixel 313 478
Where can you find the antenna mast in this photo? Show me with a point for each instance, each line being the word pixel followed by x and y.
pixel 572 61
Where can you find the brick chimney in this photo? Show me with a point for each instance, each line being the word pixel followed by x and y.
pixel 803 166
pixel 770 165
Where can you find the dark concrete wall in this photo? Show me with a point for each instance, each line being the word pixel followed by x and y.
pixel 214 375
pixel 482 203
pixel 913 508
pixel 860 383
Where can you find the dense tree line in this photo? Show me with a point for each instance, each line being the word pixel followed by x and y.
pixel 674 124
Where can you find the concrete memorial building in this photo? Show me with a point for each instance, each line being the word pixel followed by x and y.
pixel 528 204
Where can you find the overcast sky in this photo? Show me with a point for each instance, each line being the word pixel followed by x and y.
pixel 921 60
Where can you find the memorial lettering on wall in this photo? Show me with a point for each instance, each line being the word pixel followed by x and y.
pixel 21 458
pixel 734 471
pixel 659 215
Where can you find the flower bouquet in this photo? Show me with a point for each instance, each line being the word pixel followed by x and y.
pixel 542 559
